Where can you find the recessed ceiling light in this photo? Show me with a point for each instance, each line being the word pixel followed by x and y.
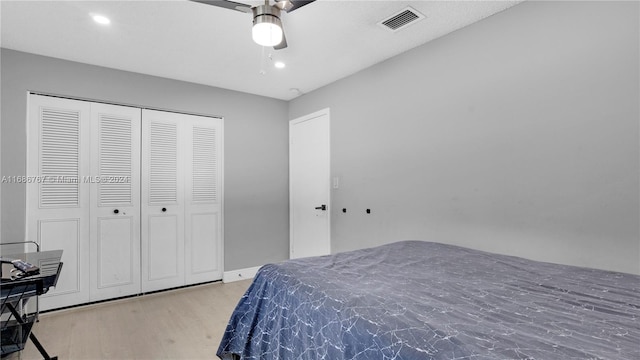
pixel 279 64
pixel 101 19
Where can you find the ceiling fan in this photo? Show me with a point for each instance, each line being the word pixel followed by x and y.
pixel 267 26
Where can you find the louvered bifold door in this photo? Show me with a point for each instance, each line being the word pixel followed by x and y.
pixel 115 201
pixel 57 195
pixel 162 201
pixel 203 197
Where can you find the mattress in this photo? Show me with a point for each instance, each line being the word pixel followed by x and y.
pixel 426 300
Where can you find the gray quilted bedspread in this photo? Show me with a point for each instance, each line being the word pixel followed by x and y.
pixel 424 300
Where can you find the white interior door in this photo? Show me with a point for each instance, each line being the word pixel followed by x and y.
pixel 57 197
pixel 115 201
pixel 203 203
pixel 309 181
pixel 162 201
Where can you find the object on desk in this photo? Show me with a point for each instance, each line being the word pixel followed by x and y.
pixel 26 268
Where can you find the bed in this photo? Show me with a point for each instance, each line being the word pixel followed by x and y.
pixel 426 300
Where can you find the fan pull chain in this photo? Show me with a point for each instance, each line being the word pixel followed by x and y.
pixel 265 60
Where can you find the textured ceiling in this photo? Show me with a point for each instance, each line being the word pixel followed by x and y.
pixel 189 41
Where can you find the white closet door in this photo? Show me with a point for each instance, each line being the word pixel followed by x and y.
pixel 162 201
pixel 203 208
pixel 57 200
pixel 115 201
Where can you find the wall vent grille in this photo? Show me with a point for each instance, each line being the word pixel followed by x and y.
pixel 402 19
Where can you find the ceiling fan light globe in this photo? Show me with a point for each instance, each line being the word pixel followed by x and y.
pixel 267 33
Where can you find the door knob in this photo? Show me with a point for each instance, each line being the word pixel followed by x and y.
pixel 116 211
pixel 322 207
pixel 164 209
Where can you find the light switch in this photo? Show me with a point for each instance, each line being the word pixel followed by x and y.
pixel 336 182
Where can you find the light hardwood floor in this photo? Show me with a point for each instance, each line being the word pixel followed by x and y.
pixel 186 323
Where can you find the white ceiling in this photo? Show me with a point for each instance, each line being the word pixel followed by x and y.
pixel 189 41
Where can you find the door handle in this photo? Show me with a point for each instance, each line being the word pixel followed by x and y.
pixel 322 207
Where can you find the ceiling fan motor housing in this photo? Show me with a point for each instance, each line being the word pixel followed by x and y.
pixel 266 14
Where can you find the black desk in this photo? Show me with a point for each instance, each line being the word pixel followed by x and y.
pixel 16 323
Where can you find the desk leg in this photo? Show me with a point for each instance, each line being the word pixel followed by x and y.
pixel 43 352
pixel 32 336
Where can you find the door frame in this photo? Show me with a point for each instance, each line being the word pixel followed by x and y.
pixel 317 114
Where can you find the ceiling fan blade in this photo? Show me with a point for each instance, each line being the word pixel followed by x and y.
pixel 232 5
pixel 299 3
pixel 283 43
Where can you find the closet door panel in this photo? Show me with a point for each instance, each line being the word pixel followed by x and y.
pixel 116 262
pixel 203 253
pixel 203 209
pixel 115 201
pixel 64 234
pixel 58 157
pixel 163 245
pixel 162 201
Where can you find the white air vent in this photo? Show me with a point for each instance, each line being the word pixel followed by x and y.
pixel 401 19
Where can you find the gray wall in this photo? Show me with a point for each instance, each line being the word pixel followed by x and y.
pixel 256 145
pixel 518 134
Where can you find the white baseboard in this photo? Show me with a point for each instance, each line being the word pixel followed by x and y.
pixel 241 274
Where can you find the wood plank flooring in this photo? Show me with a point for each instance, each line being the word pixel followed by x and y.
pixel 179 324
